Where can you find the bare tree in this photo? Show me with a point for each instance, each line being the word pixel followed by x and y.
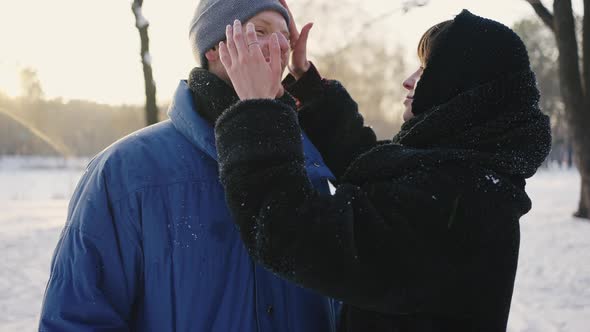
pixel 543 55
pixel 151 107
pixel 30 84
pixel 575 83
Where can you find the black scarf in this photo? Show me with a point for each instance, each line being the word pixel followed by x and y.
pixel 498 126
pixel 212 95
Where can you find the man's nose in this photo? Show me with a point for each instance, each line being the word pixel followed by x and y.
pixel 264 46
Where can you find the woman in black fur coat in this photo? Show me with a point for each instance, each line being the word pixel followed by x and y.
pixel 422 233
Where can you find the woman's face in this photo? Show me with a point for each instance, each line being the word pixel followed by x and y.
pixel 410 84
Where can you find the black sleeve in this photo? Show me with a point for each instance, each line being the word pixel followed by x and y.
pixel 330 117
pixel 309 87
pixel 339 245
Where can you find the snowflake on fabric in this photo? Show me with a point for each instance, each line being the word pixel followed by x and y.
pixel 493 179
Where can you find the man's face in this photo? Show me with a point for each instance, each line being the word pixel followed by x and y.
pixel 265 24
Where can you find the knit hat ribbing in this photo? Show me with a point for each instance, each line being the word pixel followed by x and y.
pixel 207 28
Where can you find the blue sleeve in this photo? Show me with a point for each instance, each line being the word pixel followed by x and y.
pixel 96 267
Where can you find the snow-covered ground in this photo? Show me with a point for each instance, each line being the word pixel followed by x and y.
pixel 552 287
pixel 34 194
pixel 552 291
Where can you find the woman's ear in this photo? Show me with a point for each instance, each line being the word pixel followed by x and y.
pixel 212 55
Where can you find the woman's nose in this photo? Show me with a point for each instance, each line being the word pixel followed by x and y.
pixel 409 83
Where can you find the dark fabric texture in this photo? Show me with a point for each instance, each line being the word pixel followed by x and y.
pixel 343 138
pixel 212 95
pixel 310 85
pixel 422 232
pixel 485 51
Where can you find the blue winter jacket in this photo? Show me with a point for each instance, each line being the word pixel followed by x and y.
pixel 149 244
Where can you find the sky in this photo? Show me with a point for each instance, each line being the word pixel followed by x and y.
pixel 89 50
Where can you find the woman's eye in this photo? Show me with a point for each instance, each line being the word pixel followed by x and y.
pixel 259 32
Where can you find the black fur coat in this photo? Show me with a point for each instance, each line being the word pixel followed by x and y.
pixel 422 233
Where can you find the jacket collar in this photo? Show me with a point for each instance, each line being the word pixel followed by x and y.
pixel 211 94
pixel 201 133
pixel 189 123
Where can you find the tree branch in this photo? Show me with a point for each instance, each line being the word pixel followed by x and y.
pixel 543 13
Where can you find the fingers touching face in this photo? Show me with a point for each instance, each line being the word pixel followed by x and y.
pixel 243 46
pixel 265 24
pixel 257 36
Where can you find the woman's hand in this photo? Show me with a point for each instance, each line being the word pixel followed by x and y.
pixel 252 76
pixel 299 64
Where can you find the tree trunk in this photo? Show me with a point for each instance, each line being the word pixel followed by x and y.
pixel 577 111
pixel 582 160
pixel 586 49
pixel 151 107
pixel 570 155
pixel 583 211
pixel 584 163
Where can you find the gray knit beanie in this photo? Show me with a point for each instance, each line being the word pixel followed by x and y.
pixel 207 27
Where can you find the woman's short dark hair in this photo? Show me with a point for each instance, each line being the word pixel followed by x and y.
pixel 430 40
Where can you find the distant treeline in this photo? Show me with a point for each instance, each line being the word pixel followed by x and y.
pixel 76 128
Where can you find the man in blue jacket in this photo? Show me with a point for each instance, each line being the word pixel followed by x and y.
pixel 149 244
